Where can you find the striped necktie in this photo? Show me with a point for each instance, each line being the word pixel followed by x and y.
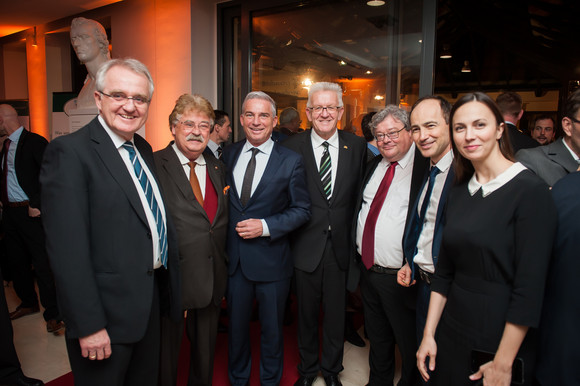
pixel 148 190
pixel 325 171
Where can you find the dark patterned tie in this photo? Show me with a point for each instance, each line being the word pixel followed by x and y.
pixel 325 171
pixel 148 190
pixel 249 178
pixel 220 150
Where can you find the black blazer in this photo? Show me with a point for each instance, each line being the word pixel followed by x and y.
pixel 98 239
pixel 420 167
pixel 202 245
pixel 519 140
pixel 307 242
pixel 27 162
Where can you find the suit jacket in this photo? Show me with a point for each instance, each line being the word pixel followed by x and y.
pixel 557 354
pixel 281 198
pixel 98 239
pixel 519 140
pixel 550 162
pixel 308 242
pixel 27 162
pixel 202 245
pixel 420 167
pixel 410 238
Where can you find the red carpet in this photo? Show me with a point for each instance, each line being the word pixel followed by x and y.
pixel 220 372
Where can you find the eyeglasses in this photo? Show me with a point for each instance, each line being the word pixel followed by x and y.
pixel 203 125
pixel 329 109
pixel 574 119
pixel 121 98
pixel 392 135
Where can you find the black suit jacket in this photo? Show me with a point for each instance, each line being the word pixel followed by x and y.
pixel 420 167
pixel 519 140
pixel 308 242
pixel 98 239
pixel 202 245
pixel 27 162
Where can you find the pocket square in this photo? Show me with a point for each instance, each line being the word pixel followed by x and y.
pixel 226 190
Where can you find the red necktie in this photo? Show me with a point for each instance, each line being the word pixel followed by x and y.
pixel 4 191
pixel 368 240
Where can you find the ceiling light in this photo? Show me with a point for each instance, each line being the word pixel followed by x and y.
pixel 379 97
pixel 341 63
pixel 445 54
pixel 368 72
pixel 466 67
pixel 375 3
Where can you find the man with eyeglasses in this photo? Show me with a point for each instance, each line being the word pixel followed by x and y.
pixel 193 184
pixel 385 205
pixel 334 162
pixel 268 200
pixel 555 160
pixel 110 242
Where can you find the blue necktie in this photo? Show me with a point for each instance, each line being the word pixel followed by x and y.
pixel 432 174
pixel 148 190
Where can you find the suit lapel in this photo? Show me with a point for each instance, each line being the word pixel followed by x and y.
pixel 213 169
pixel 558 153
pixel 310 163
pixel 343 163
pixel 112 160
pixel 271 168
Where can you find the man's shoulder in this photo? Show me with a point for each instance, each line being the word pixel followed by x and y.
pixel 352 138
pixel 31 137
pixel 295 141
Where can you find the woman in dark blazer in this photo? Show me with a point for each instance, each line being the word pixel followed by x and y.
pixel 489 282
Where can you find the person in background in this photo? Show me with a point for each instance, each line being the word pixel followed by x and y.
pixel 489 283
pixel 368 134
pixel 544 129
pixel 511 107
pixel 219 135
pixel 289 122
pixel 194 190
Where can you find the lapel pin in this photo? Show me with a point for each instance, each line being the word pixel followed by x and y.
pixel 346 147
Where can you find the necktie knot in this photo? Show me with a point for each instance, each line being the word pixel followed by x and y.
pixel 434 171
pixel 325 144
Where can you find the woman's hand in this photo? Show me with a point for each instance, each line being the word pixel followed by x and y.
pixel 493 374
pixel 428 348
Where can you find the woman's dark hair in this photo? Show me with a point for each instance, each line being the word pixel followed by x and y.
pixel 463 167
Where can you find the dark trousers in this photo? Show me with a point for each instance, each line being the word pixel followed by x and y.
pixel 9 363
pixel 201 327
pixel 389 311
pixel 134 364
pixel 271 298
pixel 325 286
pixel 25 248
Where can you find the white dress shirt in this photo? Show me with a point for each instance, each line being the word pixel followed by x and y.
pixel 424 256
pixel 213 147
pixel 118 142
pixel 200 168
pixel 13 188
pixel 262 158
pixel 391 220
pixel 332 150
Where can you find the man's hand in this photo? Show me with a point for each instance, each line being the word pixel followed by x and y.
pixel 33 212
pixel 404 276
pixel 250 228
pixel 96 346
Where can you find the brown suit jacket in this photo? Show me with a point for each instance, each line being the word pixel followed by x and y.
pixel 202 246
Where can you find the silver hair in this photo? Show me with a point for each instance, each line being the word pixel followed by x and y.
pixel 394 111
pixel 325 86
pixel 260 95
pixel 128 63
pixel 288 115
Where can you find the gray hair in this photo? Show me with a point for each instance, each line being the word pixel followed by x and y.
pixel 98 29
pixel 394 111
pixel 128 63
pixel 325 86
pixel 259 95
pixel 288 115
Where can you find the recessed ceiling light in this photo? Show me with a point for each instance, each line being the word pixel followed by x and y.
pixel 375 3
pixel 466 67
pixel 341 63
pixel 369 72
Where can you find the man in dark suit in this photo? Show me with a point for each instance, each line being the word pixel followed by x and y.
pixel 557 352
pixel 268 200
pixel 111 244
pixel 24 237
pixel 390 186
pixel 322 248
pixel 555 160
pixel 194 190
pixel 429 120
pixel 510 105
pixel 219 135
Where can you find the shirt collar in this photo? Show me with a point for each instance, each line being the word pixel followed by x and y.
pixel 15 136
pixel 574 155
pixel 265 148
pixel 317 140
pixel 184 160
pixel 499 181
pixel 118 141
pixel 406 160
pixel 445 162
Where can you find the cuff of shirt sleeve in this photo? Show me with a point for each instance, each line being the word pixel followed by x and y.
pixel 265 229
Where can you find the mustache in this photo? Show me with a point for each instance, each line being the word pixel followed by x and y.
pixel 195 137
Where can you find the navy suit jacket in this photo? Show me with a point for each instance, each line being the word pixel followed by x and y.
pixel 281 199
pixel 410 238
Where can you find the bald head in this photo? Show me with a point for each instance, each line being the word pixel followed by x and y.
pixel 8 120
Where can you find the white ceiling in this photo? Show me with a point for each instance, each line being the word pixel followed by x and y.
pixel 19 15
